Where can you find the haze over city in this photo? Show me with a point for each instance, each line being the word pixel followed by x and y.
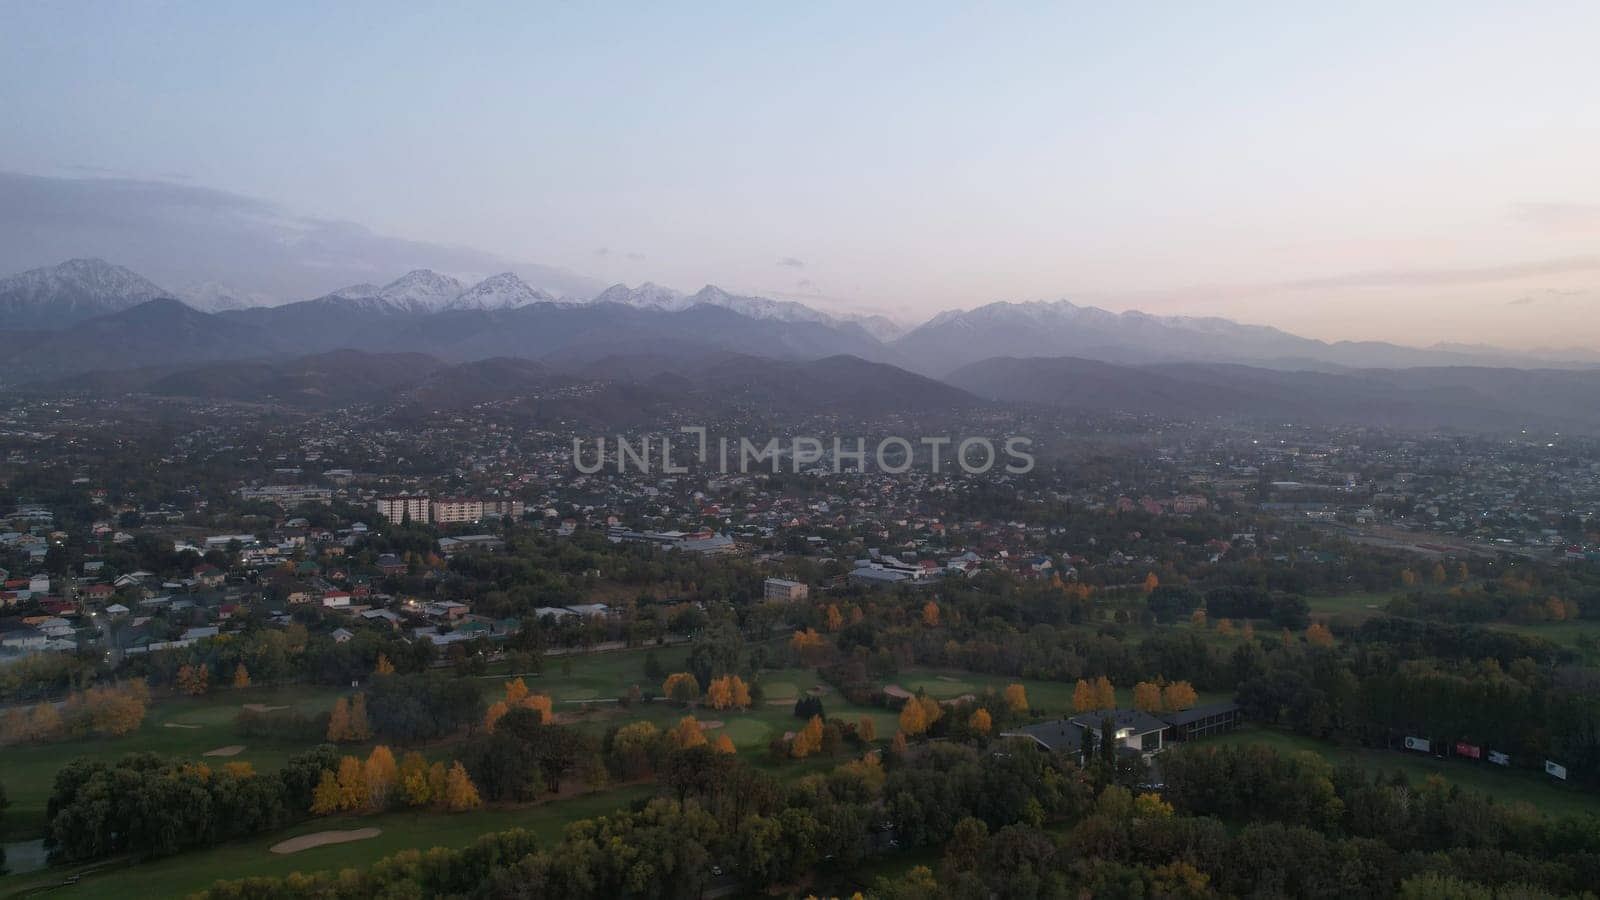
pixel 1411 175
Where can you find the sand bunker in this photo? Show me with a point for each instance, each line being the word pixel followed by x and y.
pixel 263 708
pixel 322 838
pixel 709 724
pixel 178 725
pixel 230 750
pixel 895 690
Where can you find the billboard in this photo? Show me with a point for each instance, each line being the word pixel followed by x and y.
pixel 1469 750
pixel 1421 745
pixel 1499 759
pixel 1556 769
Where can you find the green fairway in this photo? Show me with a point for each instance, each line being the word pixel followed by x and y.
pixel 186 873
pixel 28 771
pixel 1504 785
pixel 1360 604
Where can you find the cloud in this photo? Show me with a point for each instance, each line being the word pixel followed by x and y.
pixel 1464 275
pixel 1546 295
pixel 1559 216
pixel 792 263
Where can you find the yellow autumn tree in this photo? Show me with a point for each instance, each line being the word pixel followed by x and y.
pixel 1147 696
pixel 239 769
pixel 728 692
pixel 681 687
pixel 833 620
pixel 724 744
pixel 1198 618
pixel 980 721
pixel 194 680
pixel 1225 628
pixel 325 798
pixel 382 776
pixel 1016 698
pixel 913 721
pixel 516 689
pixel 1179 695
pixel 930 614
pixel 809 644
pixel 383 666
pixel 898 743
pixel 807 740
pixel 1151 582
pixel 1105 694
pixel 241 676
pixel 353 794
pixel 460 794
pixel 339 723
pixel 414 786
pixel 687 733
pixel 1318 635
pixel 1083 696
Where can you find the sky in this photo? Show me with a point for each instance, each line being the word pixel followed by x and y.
pixel 1416 172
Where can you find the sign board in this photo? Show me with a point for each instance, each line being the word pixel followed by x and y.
pixel 1499 759
pixel 1468 750
pixel 1556 769
pixel 1422 745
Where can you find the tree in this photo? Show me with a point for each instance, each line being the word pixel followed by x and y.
pixel 728 692
pixel 1318 635
pixel 724 744
pixel 809 645
pixel 241 676
pixel 1198 618
pixel 980 721
pixel 1151 806
pixel 1016 699
pixel 681 687
pixel 194 680
pixel 832 618
pixel 414 786
pixel 913 718
pixel 359 729
pixel 687 733
pixel 808 740
pixel 1225 628
pixel 1083 697
pixel 1179 695
pixel 1151 582
pixel 325 800
pixel 460 794
pixel 339 723
pixel 1105 695
pixel 383 666
pixel 867 729
pixel 353 793
pixel 382 776
pixel 930 614
pixel 1147 697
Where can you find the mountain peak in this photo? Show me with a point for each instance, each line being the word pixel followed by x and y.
pixel 503 291
pixel 75 290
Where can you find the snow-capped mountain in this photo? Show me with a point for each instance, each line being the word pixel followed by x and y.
pixel 654 296
pixel 503 291
pixel 645 296
pixel 73 291
pixel 422 291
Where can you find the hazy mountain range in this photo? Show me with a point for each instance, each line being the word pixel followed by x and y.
pixel 650 345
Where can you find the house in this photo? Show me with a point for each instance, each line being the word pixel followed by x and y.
pixel 1131 728
pixel 1056 736
pixel 342 635
pixel 784 591
pixel 484 542
pixel 1202 721
pixel 209 575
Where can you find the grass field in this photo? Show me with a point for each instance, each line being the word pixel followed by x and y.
pixel 190 872
pixel 1360 605
pixel 1506 786
pixel 28 772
